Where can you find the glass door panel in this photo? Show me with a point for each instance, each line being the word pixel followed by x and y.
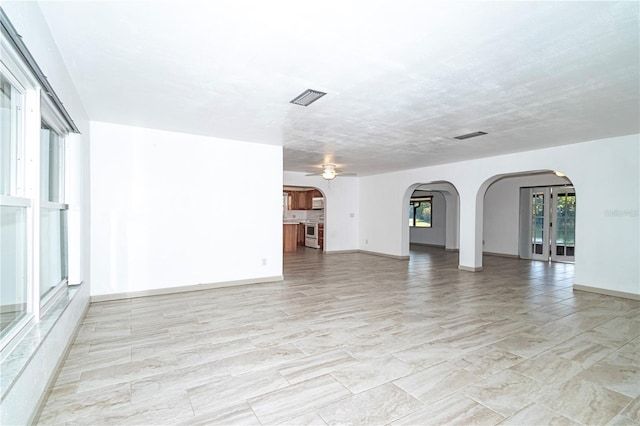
pixel 563 241
pixel 539 224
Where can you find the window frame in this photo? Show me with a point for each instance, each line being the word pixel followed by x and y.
pixel 16 184
pixel 412 205
pixel 38 104
pixel 50 117
pixel 19 194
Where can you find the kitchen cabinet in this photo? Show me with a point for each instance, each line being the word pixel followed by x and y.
pixel 289 236
pixel 301 200
pixel 301 234
pixel 296 200
pixel 306 201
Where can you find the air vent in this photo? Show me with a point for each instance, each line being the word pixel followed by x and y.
pixel 307 97
pixel 470 135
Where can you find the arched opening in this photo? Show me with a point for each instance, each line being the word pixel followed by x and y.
pixel 529 215
pixel 303 214
pixel 431 216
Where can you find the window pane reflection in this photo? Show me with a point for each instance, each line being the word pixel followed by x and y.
pixel 10 104
pixel 13 266
pixel 53 249
pixel 51 165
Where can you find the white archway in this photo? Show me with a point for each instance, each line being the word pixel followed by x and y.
pixel 503 206
pixel 452 212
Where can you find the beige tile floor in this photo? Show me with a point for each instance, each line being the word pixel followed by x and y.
pixel 360 339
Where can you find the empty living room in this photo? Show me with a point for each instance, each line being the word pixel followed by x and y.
pixel 319 213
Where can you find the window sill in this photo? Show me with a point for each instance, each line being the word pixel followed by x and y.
pixel 16 361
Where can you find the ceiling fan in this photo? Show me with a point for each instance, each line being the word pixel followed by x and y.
pixel 329 172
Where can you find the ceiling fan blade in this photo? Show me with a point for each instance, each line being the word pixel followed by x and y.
pixel 346 174
pixel 314 174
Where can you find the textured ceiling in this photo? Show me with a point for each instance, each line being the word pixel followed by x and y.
pixel 402 78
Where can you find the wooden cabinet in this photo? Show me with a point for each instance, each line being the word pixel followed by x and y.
pixel 294 203
pixel 306 202
pixel 295 200
pixel 301 234
pixel 301 200
pixel 303 195
pixel 289 236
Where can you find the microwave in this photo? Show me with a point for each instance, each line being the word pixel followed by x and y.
pixel 317 203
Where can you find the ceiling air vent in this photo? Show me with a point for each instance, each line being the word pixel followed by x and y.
pixel 470 135
pixel 307 97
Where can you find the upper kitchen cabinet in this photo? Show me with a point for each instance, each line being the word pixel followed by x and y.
pixel 297 200
pixel 302 200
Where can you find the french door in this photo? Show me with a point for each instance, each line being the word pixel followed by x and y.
pixel 552 224
pixel 563 230
pixel 540 224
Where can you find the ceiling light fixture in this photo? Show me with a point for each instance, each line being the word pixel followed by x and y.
pixel 307 97
pixel 470 135
pixel 328 171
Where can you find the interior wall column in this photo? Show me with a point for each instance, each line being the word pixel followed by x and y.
pixel 452 221
pixel 471 215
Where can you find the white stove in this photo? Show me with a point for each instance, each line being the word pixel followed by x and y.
pixel 311 235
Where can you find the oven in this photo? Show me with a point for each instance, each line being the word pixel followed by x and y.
pixel 311 235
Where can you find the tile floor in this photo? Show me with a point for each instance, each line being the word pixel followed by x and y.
pixel 360 339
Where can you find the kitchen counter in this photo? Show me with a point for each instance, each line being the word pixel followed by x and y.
pixel 296 221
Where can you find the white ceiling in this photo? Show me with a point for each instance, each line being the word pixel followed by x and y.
pixel 402 77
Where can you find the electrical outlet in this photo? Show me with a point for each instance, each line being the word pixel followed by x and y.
pixel 264 261
pixel 366 241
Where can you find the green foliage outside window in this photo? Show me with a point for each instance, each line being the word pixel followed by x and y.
pixel 420 212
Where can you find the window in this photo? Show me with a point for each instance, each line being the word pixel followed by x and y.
pixel 51 164
pixel 33 211
pixel 10 129
pixel 420 212
pixel 53 211
pixel 14 295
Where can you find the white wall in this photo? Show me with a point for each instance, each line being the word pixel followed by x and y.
pixel 604 172
pixel 341 218
pixel 437 233
pixel 501 228
pixel 172 209
pixel 20 403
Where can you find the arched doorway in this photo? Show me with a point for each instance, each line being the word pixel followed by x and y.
pixel 305 207
pixel 530 215
pixel 431 216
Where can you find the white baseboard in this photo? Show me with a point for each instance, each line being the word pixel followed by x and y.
pixel 470 268
pixel 427 245
pixel 391 256
pixel 511 256
pixel 615 293
pixel 340 251
pixel 182 289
